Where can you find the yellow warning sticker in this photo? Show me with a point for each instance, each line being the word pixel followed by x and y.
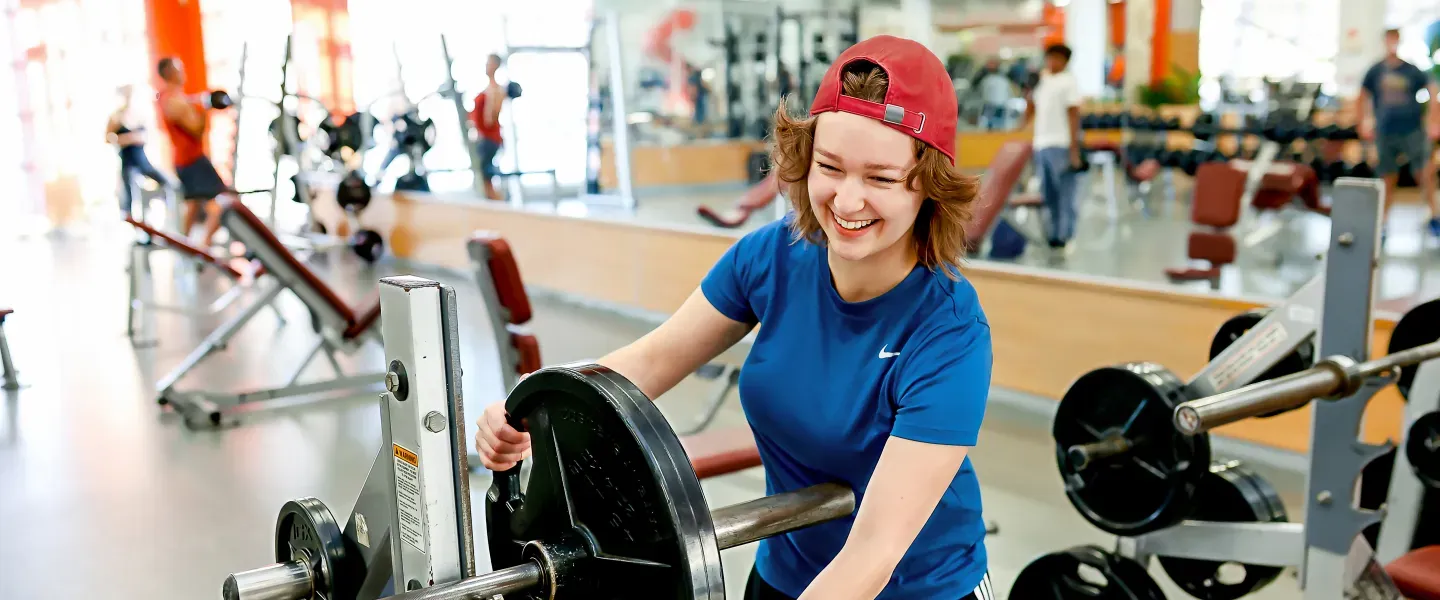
pixel 407 497
pixel 407 456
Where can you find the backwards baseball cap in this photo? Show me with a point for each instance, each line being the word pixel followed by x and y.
pixel 920 100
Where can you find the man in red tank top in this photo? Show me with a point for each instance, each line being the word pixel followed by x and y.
pixel 486 116
pixel 185 121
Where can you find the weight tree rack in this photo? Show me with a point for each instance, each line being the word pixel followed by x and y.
pixel 1335 561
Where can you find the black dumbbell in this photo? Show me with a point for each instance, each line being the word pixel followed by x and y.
pixel 1362 170
pixel 1088 121
pixel 1205 127
pixel 512 90
pixel 1307 131
pixel 1321 169
pixel 1190 161
pixel 368 245
pixel 1109 121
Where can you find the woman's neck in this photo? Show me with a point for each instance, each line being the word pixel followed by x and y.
pixel 858 281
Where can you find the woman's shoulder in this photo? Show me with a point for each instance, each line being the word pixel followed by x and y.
pixel 955 305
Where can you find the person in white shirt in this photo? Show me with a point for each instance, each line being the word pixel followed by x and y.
pixel 1054 111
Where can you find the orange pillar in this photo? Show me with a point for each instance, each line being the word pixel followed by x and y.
pixel 1160 43
pixel 174 27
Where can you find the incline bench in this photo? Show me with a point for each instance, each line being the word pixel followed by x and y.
pixel 342 327
pixel 712 453
pixel 139 252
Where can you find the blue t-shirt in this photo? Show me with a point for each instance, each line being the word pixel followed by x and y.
pixel 827 382
pixel 1393 91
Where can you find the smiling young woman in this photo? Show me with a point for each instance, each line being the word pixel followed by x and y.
pixel 928 201
pixel 873 367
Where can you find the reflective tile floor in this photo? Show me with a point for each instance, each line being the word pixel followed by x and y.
pixel 104 496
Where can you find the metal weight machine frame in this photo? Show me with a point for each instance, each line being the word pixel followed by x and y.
pixel 412 522
pixel 288 131
pixel 1327 547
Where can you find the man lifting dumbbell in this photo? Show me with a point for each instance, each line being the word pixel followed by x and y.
pixel 1390 115
pixel 185 122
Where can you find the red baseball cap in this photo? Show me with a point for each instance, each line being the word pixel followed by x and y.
pixel 920 100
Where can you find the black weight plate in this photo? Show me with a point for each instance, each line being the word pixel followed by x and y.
pixel 1233 494
pixel 1084 572
pixel 1302 358
pixel 1149 487
pixel 1422 447
pixel 305 526
pixel 609 470
pixel 1419 326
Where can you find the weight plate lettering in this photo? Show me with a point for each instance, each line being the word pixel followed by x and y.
pixel 611 492
pixel 307 532
pixel 1233 494
pixel 1419 326
pixel 1302 358
pixel 1147 487
pixel 1085 572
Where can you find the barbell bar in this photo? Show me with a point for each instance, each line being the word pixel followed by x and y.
pixel 1332 378
pixel 735 525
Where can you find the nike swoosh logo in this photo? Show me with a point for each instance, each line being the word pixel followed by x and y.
pixel 884 354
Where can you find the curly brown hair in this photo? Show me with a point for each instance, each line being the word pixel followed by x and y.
pixel 940 237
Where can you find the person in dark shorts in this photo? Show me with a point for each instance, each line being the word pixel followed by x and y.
pixel 486 116
pixel 185 120
pixel 125 131
pixel 1393 116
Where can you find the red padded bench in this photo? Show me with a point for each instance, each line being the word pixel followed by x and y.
pixel 1417 573
pixel 191 250
pixel 354 320
pixel 11 379
pixel 342 327
pixel 1216 207
pixel 712 453
pixel 998 184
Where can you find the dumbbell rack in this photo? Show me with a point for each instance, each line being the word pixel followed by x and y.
pixel 1328 548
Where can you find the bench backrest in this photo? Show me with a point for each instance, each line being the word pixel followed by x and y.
pixel 248 229
pixel 498 276
pixel 1218 189
pixel 996 184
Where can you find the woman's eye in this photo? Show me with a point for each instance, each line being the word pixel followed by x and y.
pixel 885 180
pixel 826 167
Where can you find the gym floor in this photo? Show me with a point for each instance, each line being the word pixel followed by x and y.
pixel 104 496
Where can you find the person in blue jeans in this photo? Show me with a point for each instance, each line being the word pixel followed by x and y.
pixel 1394 118
pixel 1054 111
pixel 871 365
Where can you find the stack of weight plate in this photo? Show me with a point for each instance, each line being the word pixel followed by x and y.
pixel 1160 478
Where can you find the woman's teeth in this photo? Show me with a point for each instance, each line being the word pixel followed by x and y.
pixel 853 225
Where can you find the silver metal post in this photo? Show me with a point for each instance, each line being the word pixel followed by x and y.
pixel 620 127
pixel 453 90
pixel 7 369
pixel 1337 457
pixel 282 581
